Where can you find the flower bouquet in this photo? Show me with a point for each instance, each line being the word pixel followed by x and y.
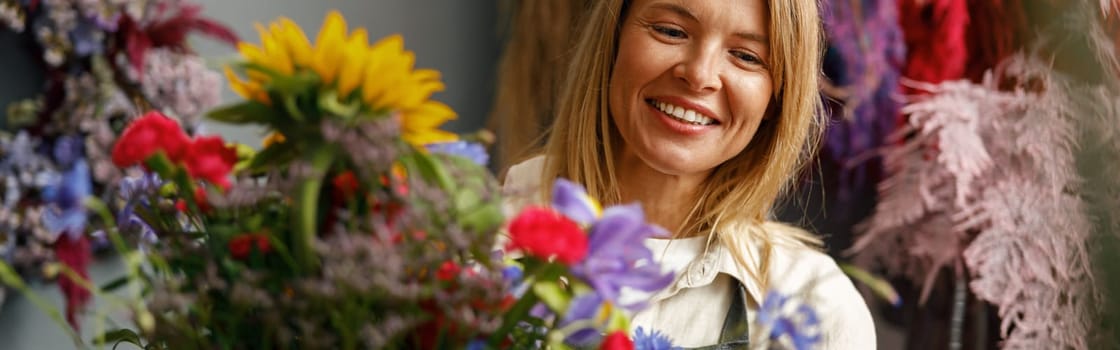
pixel 87 66
pixel 358 224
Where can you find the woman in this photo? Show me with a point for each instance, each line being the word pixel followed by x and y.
pixel 703 111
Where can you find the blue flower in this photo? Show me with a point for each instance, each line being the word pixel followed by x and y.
pixel 572 200
pixel 477 344
pixel 789 321
pixel 618 258
pixel 67 149
pixel 653 340
pixel 473 151
pixel 65 212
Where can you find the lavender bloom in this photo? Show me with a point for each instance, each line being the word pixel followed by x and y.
pixel 616 257
pixel 572 200
pixel 87 40
pixel 470 150
pixel 179 83
pixel 66 214
pixel 652 340
pixel 788 321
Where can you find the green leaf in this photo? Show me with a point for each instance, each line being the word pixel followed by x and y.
pixel 160 164
pixel 618 321
pixel 484 218
pixel 271 157
pixel 248 112
pixel 552 295
pixel 432 170
pixel 294 85
pixel 329 102
pixel 117 336
pixel 292 108
pixel 878 285
pixel 115 284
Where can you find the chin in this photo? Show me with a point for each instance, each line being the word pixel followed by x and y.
pixel 677 164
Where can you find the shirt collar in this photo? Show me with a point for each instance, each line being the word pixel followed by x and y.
pixel 704 269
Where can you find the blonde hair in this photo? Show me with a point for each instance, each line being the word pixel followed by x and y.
pixel 740 194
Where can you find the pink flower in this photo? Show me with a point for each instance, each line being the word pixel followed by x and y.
pixel 545 233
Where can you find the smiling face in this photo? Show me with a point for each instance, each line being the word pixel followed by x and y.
pixel 691 83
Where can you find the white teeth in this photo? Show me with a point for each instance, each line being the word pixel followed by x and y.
pixel 682 114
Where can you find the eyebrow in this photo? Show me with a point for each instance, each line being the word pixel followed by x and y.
pixel 684 12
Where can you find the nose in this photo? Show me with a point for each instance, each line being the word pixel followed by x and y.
pixel 700 69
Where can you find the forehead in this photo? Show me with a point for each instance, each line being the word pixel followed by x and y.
pixel 731 14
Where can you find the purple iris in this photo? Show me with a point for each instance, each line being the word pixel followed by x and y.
pixel 136 191
pixel 470 150
pixel 652 340
pixel 617 257
pixel 584 308
pixel 65 212
pixel 789 321
pixel 572 200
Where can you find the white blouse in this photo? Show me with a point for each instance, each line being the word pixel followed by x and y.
pixel 692 309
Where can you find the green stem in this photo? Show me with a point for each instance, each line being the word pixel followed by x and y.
pixel 510 319
pixel 10 277
pixel 308 206
pixel 521 308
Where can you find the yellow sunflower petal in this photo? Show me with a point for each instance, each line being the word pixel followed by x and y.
pixel 273 138
pixel 375 82
pixel 353 67
pixel 421 138
pixel 276 54
pixel 251 52
pixel 423 83
pixel 297 43
pixel 329 47
pixel 429 115
pixel 247 89
pixel 396 76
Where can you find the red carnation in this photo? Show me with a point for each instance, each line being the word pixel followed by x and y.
pixel 146 135
pixel 209 158
pixel 345 185
pixel 241 246
pixel 544 233
pixel 447 271
pixel 617 341
pixel 200 199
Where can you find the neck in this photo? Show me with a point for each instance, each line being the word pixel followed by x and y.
pixel 666 199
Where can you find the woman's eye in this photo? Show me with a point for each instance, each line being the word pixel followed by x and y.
pixel 746 57
pixel 669 32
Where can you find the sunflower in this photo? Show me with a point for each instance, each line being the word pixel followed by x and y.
pixel 381 77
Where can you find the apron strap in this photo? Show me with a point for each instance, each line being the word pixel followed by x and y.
pixel 736 326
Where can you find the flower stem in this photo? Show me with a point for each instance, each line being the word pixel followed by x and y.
pixel 546 272
pixel 307 208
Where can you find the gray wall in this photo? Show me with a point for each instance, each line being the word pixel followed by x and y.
pixel 459 38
